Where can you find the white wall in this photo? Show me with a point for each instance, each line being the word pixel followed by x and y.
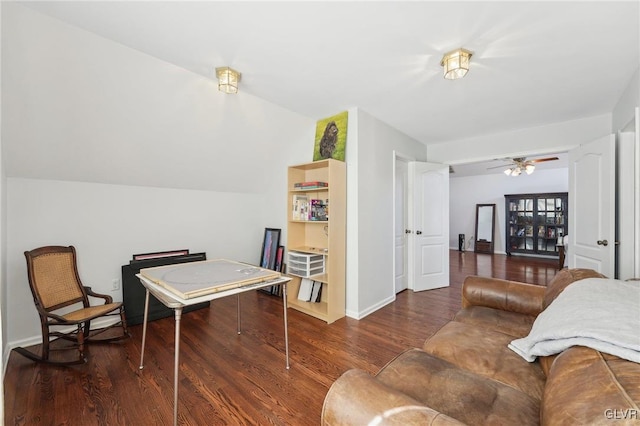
pixel 626 199
pixel 558 137
pixel 624 111
pixel 108 223
pixel 3 250
pixel 370 251
pixel 117 152
pixel 466 192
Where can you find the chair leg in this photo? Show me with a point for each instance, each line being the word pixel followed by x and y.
pixel 44 358
pixel 45 341
pixel 123 319
pixel 86 330
pixel 81 334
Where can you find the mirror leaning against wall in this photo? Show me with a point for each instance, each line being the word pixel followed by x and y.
pixel 485 228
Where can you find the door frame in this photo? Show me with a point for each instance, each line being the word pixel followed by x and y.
pixel 398 156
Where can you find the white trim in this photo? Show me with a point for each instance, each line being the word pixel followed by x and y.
pixel 398 156
pixel 637 193
pixel 352 271
pixel 371 309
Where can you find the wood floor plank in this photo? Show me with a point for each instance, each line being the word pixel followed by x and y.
pixel 231 379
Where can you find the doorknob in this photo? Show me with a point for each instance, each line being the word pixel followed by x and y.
pixel 603 242
pixel 407 231
pixel 419 232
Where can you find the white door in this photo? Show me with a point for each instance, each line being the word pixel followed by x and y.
pixel 592 206
pixel 400 225
pixel 429 223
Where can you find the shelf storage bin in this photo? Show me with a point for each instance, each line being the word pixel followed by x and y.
pixel 305 264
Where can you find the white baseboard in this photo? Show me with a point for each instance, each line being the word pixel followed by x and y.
pixel 361 314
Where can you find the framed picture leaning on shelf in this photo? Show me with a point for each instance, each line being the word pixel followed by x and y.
pixel 270 245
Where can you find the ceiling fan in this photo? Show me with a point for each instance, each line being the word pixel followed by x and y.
pixel 521 164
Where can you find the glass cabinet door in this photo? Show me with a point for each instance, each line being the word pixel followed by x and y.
pixel 536 223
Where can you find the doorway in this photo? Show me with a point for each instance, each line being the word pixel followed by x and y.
pixel 421 201
pixel 400 233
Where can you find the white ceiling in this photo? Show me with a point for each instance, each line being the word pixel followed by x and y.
pixel 534 63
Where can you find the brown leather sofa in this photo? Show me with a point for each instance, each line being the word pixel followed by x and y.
pixel 466 374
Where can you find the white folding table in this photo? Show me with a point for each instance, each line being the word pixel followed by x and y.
pixel 197 277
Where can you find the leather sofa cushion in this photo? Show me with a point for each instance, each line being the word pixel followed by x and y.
pixel 503 295
pixel 563 279
pixel 587 387
pixel 514 324
pixel 485 352
pixel 357 398
pixel 460 394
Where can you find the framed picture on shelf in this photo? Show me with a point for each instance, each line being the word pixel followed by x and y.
pixel 270 244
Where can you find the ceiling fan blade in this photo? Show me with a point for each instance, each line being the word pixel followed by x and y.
pixel 541 160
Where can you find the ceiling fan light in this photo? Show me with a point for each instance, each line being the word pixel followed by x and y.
pixel 516 171
pixel 508 172
pixel 529 168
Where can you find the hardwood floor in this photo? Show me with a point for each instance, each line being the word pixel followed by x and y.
pixel 227 378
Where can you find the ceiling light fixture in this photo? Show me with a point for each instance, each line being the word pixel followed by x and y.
pixel 456 63
pixel 517 170
pixel 228 79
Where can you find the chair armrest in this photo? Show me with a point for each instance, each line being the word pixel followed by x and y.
pixel 357 398
pixel 56 317
pixel 107 299
pixel 505 295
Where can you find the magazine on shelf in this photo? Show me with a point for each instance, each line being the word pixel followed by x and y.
pixel 318 210
pixel 300 207
pixel 316 292
pixel 306 289
pixel 310 185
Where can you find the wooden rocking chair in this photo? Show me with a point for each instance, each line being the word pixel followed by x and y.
pixel 55 284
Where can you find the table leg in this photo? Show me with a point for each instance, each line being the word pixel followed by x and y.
pixel 238 306
pixel 286 330
pixel 176 357
pixel 144 328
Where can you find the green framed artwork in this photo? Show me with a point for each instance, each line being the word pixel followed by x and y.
pixel 331 137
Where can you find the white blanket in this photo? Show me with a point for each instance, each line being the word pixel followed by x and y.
pixel 599 313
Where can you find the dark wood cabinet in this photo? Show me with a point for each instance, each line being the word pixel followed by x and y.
pixel 535 223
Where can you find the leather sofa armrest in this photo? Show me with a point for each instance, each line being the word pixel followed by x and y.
pixel 501 294
pixel 357 398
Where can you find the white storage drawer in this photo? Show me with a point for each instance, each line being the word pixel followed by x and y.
pixel 305 264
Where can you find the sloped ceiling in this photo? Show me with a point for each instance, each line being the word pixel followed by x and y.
pixel 534 62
